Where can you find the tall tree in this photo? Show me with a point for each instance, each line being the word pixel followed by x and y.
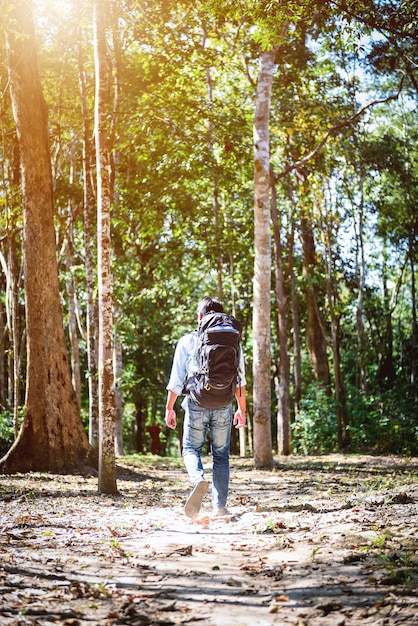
pixel 328 237
pixel 52 437
pixel 316 338
pixel 13 274
pixel 88 211
pixel 263 456
pixel 107 401
pixel 283 410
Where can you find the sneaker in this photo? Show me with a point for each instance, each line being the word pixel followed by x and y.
pixel 221 512
pixel 194 501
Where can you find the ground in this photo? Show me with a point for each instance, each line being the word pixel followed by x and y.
pixel 318 541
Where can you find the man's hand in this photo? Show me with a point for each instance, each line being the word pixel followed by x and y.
pixel 170 418
pixel 239 419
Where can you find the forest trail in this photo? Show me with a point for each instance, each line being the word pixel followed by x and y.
pixel 318 541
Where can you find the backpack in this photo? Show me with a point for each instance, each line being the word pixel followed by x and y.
pixel 214 383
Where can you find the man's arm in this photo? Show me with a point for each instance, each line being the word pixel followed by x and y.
pixel 177 376
pixel 170 414
pixel 239 417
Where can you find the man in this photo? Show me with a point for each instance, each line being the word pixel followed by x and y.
pixel 198 420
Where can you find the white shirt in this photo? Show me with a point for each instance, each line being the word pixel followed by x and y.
pixel 185 363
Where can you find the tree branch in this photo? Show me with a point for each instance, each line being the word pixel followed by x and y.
pixel 332 130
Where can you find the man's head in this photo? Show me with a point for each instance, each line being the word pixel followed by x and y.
pixel 207 305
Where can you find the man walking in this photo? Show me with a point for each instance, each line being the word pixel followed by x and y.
pixel 199 419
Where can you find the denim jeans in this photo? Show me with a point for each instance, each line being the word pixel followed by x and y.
pixel 197 422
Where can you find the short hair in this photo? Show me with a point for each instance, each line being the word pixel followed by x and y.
pixel 207 305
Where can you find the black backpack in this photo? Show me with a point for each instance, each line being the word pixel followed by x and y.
pixel 213 385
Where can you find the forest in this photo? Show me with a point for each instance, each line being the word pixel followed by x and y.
pixel 154 152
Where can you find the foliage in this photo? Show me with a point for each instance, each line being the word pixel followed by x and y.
pixel 314 430
pixel 6 432
pixel 182 219
pixel 385 423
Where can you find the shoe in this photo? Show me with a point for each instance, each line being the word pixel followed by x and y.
pixel 221 512
pixel 194 501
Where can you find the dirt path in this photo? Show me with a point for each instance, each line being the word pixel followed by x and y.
pixel 316 542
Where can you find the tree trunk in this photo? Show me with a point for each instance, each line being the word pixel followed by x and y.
pixel 72 301
pixel 343 429
pixel 12 264
pixel 215 195
pixel 3 336
pixel 117 368
pixel 296 323
pixel 283 411
pixel 283 379
pixel 315 331
pixel 263 455
pixel 52 437
pixel 361 271
pixel 414 332
pixel 88 210
pixel 107 405
pixel 386 373
pixel 215 190
pixel 16 340
pixel 140 417
pixel 72 323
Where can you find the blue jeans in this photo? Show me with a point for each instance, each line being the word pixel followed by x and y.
pixel 197 422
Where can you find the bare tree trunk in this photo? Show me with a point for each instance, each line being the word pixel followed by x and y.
pixel 386 373
pixel 343 429
pixel 217 239
pixel 215 191
pixel 263 455
pixel 361 271
pixel 315 330
pixel 13 272
pixel 4 329
pixel 13 280
pixel 107 406
pixel 297 366
pixel 242 432
pixel 414 333
pixel 3 352
pixel 72 324
pixel 52 437
pixel 117 366
pixel 114 190
pixel 297 359
pixel 283 411
pixel 72 304
pixel 88 210
pixel 140 417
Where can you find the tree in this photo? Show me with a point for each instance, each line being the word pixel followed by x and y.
pixel 107 401
pixel 263 457
pixel 316 338
pixel 343 430
pixel 182 218
pixel 52 437
pixel 283 399
pixel 88 211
